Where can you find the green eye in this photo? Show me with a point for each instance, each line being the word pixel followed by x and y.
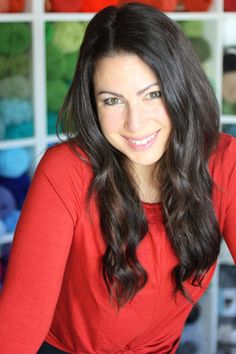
pixel 154 94
pixel 111 101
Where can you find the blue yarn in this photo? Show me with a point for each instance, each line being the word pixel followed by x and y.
pixel 52 120
pixel 18 186
pixel 15 111
pixel 7 202
pixel 11 220
pixel 14 162
pixel 18 131
pixel 3 229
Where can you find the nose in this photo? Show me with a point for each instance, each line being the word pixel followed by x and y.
pixel 135 118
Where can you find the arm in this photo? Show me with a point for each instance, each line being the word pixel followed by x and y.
pixel 36 266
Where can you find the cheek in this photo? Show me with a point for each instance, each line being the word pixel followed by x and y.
pixel 110 123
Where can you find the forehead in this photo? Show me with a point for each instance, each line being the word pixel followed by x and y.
pixel 122 69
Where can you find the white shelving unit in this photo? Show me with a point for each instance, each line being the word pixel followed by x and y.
pixel 218 30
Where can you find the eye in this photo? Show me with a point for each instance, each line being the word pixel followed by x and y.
pixel 154 94
pixel 111 101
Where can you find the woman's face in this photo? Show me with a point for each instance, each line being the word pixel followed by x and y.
pixel 132 114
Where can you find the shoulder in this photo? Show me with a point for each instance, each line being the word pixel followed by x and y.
pixel 222 163
pixel 64 159
pixel 225 151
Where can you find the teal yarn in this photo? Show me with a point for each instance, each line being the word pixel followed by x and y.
pixel 68 35
pixel 56 92
pixel 15 111
pixel 20 64
pixel 15 87
pixel 51 123
pixel 201 47
pixel 19 131
pixel 4 66
pixel 192 28
pixel 14 162
pixel 2 130
pixel 56 63
pixel 229 129
pixel 15 38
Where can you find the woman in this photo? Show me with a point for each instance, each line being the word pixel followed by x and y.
pixel 121 229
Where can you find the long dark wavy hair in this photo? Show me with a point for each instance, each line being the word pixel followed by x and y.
pixel 186 186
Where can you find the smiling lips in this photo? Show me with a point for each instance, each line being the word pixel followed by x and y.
pixel 142 144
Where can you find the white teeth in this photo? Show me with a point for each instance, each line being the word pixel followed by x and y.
pixel 144 141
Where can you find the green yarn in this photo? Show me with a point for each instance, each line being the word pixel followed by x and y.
pixel 192 28
pixel 49 32
pixel 56 63
pixel 4 66
pixel 15 87
pixel 201 47
pixel 15 38
pixel 20 64
pixel 228 108
pixel 56 91
pixel 71 60
pixel 68 35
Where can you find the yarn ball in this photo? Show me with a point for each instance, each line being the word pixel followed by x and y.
pixel 66 6
pixel 192 28
pixel 2 130
pixel 15 38
pixel 228 108
pixel 166 6
pixel 3 229
pixel 95 5
pixel 11 220
pixel 201 47
pixel 15 87
pixel 229 5
pixel 7 202
pixel 17 5
pixel 15 111
pixel 14 162
pixel 229 60
pixel 4 6
pixel 56 63
pixel 19 131
pixel 68 35
pixel 199 5
pixel 229 87
pixel 18 186
pixel 49 32
pixel 20 64
pixel 71 60
pixel 229 129
pixel 4 66
pixel 56 91
pixel 52 121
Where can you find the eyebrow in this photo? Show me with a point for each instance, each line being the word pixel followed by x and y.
pixel 140 92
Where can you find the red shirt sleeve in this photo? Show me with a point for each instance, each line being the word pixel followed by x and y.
pixel 38 258
pixel 229 231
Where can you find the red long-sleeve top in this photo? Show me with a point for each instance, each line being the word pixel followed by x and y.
pixel 54 288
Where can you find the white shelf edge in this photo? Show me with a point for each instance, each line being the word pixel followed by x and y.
pixel 79 16
pixel 8 144
pixel 16 17
pixel 227 119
